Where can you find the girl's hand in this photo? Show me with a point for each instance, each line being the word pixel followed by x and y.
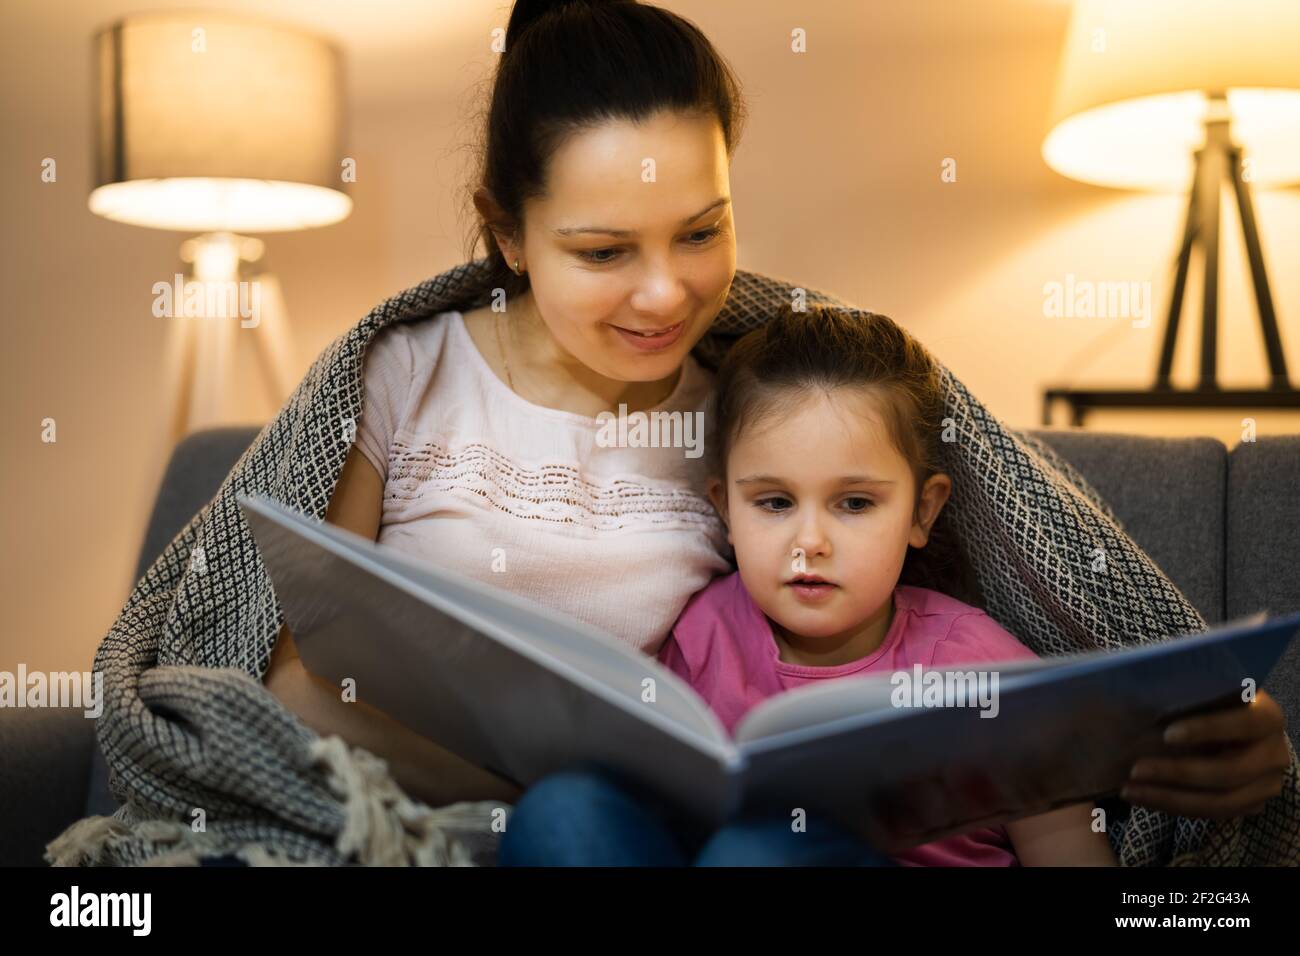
pixel 1235 763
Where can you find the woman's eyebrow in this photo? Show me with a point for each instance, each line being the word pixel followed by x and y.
pixel 566 231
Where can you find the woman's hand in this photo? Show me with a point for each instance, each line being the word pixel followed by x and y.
pixel 1225 763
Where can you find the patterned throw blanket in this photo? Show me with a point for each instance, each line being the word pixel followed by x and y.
pixel 206 761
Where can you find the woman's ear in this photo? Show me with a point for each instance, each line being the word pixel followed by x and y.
pixel 717 492
pixel 502 229
pixel 934 495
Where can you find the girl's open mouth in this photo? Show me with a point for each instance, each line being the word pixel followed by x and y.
pixel 651 340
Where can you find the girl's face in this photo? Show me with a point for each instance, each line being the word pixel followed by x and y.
pixel 634 235
pixel 822 479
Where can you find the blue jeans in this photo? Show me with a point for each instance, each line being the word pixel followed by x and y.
pixel 591 816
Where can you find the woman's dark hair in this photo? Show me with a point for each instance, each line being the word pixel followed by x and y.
pixel 799 353
pixel 570 65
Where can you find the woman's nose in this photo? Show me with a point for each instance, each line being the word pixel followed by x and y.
pixel 660 291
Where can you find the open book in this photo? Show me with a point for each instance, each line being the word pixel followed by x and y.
pixel 901 759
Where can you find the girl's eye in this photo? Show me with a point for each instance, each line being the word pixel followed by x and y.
pixel 864 503
pixel 603 256
pixel 762 504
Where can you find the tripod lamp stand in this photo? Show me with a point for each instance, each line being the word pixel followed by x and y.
pixel 1193 95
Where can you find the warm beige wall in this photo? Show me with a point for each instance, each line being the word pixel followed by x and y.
pixel 836 185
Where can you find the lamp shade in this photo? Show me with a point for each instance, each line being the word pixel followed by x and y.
pixel 1131 98
pixel 215 122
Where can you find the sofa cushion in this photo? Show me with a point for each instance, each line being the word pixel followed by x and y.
pixel 46 754
pixel 1263 512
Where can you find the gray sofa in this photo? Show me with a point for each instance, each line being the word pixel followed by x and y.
pixel 1223 525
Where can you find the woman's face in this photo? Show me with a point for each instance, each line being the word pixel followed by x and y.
pixel 634 235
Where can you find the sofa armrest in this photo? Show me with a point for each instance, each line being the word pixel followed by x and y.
pixel 1263 528
pixel 45 753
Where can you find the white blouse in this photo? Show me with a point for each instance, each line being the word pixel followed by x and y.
pixel 482 482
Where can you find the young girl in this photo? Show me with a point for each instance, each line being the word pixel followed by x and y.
pixel 827 439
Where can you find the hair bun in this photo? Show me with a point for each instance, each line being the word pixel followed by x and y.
pixel 528 12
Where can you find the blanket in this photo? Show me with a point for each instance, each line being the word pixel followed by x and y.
pixel 205 761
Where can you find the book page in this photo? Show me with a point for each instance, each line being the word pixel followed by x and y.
pixel 1050 732
pixel 822 705
pixel 593 660
pixel 516 689
pixel 591 655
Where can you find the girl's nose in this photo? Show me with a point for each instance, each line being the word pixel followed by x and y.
pixel 812 537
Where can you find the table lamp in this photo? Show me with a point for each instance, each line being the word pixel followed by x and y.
pixel 1186 95
pixel 217 124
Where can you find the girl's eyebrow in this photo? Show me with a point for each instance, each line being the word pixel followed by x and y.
pixel 846 480
pixel 566 231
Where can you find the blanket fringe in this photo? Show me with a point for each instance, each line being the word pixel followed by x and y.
pixel 383 827
pixel 86 842
pixel 254 854
pixel 257 854
pixel 188 857
pixel 90 842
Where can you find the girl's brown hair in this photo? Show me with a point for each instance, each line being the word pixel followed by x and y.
pixel 797 353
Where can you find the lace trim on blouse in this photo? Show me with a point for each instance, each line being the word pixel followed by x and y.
pixel 552 493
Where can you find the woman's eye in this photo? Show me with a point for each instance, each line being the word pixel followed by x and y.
pixel 762 504
pixel 605 256
pixel 858 504
pixel 598 255
pixel 706 235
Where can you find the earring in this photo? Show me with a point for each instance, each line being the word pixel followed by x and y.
pixel 517 272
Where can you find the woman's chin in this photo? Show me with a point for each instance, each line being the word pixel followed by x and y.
pixel 630 366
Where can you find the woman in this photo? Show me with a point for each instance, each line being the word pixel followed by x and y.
pixel 606 209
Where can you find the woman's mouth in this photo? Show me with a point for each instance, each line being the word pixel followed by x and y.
pixel 651 340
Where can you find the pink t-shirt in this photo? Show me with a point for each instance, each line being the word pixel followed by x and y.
pixel 722 645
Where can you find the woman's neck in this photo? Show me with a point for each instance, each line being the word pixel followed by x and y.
pixel 546 374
